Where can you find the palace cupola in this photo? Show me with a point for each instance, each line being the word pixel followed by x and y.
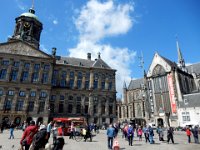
pixel 28 28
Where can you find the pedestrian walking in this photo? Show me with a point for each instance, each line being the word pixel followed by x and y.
pixel 12 127
pixel 188 133
pixel 55 132
pixel 195 134
pixel 130 135
pixel 170 135
pixel 110 135
pixel 151 135
pixel 160 133
pixel 88 133
pixel 146 133
pixel 140 133
pixel 49 127
pixel 72 130
pixel 28 134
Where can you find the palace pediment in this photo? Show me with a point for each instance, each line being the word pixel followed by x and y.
pixel 22 48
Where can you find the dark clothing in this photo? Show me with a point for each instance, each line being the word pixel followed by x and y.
pixel 110 142
pixel 40 139
pixel 195 135
pixel 170 133
pixel 88 134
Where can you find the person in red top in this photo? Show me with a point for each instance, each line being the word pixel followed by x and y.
pixel 188 133
pixel 28 134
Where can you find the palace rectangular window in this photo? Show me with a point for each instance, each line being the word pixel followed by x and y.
pixel 95 109
pixel 71 75
pixel 52 106
pixel 78 108
pixel 45 78
pixel 53 97
pixel 54 82
pixel 62 97
pixel 186 116
pixel 10 92
pixel 13 76
pixel 110 110
pixel 110 86
pixel 22 93
pixel 64 74
pixel 79 83
pixel 33 93
pixel 103 85
pixel 41 106
pixel 95 84
pixel 36 66
pixel 19 105
pixel 16 64
pixel 70 108
pixel 24 76
pixel 78 99
pixel 55 72
pixel 43 94
pixel 3 74
pixel 63 83
pixel 27 65
pixel 46 67
pixel 61 108
pixel 86 85
pixel 86 109
pixel 30 106
pixel 7 105
pixel 5 62
pixel 71 83
pixel 35 77
pixel 70 98
pixel 1 92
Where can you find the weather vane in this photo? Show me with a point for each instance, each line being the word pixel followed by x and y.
pixel 32 4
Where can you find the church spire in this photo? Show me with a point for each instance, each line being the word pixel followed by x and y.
pixel 181 61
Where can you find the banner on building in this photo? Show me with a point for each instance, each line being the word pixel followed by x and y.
pixel 171 93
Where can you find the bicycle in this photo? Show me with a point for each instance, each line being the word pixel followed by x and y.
pixel 78 136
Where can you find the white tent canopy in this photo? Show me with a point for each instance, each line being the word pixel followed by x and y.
pixel 192 123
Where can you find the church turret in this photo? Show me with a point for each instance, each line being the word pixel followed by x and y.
pixel 181 61
pixel 28 28
pixel 125 93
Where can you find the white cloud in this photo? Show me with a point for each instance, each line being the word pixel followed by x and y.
pixel 97 20
pixel 55 22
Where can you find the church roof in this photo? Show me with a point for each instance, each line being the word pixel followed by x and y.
pixel 135 84
pixel 172 64
pixel 98 63
pixel 194 68
pixel 193 100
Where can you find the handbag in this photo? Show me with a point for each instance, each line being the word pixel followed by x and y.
pixel 24 142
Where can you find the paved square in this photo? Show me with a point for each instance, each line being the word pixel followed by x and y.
pixel 100 142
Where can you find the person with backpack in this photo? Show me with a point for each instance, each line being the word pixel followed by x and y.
pixel 28 134
pixel 130 135
pixel 40 139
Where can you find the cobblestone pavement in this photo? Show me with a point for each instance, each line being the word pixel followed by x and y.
pixel 100 143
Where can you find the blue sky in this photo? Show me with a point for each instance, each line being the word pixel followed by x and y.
pixel 119 29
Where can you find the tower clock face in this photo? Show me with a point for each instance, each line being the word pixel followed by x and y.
pixel 27 25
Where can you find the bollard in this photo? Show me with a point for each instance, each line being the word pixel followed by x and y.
pixel 116 145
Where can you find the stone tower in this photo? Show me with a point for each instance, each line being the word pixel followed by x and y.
pixel 28 28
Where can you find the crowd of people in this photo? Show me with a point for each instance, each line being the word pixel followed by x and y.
pixel 129 132
pixel 36 136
